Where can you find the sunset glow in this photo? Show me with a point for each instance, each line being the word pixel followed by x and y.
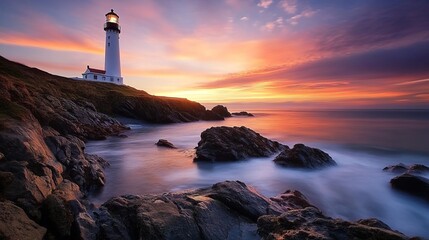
pixel 330 54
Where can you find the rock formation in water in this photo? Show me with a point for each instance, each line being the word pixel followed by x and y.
pixel 402 168
pixel 228 210
pixel 411 184
pixel 221 111
pixel 234 143
pixel 164 143
pixel 246 114
pixel 301 156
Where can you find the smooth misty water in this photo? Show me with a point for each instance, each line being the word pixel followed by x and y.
pixel 362 143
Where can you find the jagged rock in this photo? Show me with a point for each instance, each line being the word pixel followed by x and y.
pixel 66 216
pixel 310 223
pixel 84 169
pixel 402 168
pixel 221 111
pixel 246 114
pixel 15 224
pixel 374 222
pixel 414 185
pixel 227 210
pixel 164 143
pixel 209 115
pixel 234 143
pixel 301 156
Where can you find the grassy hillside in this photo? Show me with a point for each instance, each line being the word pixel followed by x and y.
pixel 21 85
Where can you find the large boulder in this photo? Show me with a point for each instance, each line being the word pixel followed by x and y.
pixel 234 143
pixel 227 210
pixel 301 156
pixel 221 111
pixel 15 224
pixel 414 185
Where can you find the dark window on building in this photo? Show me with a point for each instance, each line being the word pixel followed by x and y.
pixel 85 76
pixel 104 78
pixel 111 79
pixel 108 44
pixel 108 37
pixel 118 79
pixel 95 76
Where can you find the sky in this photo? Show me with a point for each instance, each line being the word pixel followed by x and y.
pixel 251 53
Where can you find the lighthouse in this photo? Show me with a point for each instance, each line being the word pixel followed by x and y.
pixel 112 59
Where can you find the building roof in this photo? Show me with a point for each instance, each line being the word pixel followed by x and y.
pixel 94 70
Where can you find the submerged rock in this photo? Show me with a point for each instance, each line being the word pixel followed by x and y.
pixel 164 143
pixel 402 168
pixel 227 210
pixel 221 111
pixel 414 185
pixel 234 143
pixel 243 113
pixel 301 156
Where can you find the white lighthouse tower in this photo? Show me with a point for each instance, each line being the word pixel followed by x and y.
pixel 112 59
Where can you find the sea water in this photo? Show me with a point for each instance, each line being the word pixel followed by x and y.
pixel 361 142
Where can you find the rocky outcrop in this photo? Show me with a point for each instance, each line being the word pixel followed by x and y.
pixel 85 170
pixel 234 143
pixel 301 156
pixel 414 185
pixel 14 224
pixel 402 168
pixel 246 114
pixel 221 111
pixel 66 216
pixel 310 223
pixel 226 210
pixel 164 143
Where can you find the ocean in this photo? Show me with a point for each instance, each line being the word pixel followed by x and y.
pixel 361 142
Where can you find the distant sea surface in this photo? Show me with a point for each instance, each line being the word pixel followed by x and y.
pixel 361 142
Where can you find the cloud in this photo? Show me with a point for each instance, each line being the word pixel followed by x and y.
pixel 419 81
pixel 305 14
pixel 265 3
pixel 378 25
pixel 270 26
pixel 244 19
pixel 289 6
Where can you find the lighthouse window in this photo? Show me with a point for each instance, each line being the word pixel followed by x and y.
pixel 108 44
pixel 95 76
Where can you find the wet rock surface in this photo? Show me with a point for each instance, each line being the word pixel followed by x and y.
pixel 228 210
pixel 234 143
pixel 415 185
pixel 301 156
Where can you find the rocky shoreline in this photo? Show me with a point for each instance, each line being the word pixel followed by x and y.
pixel 45 173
